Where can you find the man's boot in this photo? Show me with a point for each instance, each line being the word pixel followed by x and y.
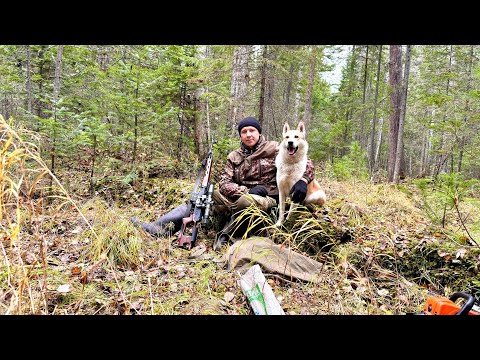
pixel 170 222
pixel 223 235
pixel 231 232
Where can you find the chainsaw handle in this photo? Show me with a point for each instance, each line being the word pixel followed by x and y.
pixel 467 306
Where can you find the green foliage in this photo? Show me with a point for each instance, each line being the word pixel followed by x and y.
pixel 430 201
pixel 91 130
pixel 224 146
pixel 441 195
pixel 124 97
pixel 353 165
pixel 130 178
pixel 342 168
pixel 455 188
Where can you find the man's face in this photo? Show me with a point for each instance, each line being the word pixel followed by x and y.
pixel 249 136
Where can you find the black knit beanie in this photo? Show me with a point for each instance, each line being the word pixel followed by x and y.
pixel 249 121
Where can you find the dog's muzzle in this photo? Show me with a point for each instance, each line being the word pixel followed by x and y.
pixel 291 149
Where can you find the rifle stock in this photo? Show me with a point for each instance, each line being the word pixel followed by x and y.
pixel 199 204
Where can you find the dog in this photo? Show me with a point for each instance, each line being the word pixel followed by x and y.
pixel 291 162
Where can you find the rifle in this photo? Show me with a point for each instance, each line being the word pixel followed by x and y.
pixel 200 202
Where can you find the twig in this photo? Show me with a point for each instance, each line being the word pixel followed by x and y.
pixel 8 264
pixel 103 257
pixel 121 292
pixel 284 280
pixel 150 291
pixel 101 307
pixel 455 241
pixel 24 282
pixel 463 224
pixel 15 294
pixel 43 286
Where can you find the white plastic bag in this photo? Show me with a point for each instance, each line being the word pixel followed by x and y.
pixel 259 293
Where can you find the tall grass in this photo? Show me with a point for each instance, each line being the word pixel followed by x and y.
pixel 23 193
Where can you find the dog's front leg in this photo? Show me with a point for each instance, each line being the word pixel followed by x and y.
pixel 281 208
pixel 293 206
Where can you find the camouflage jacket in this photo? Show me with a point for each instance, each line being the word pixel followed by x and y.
pixel 246 168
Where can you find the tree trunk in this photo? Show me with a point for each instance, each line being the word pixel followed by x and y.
pixel 263 80
pixel 199 107
pixel 135 125
pixel 361 137
pixel 181 120
pixel 349 113
pixel 39 103
pixel 207 107
pixel 238 86
pixel 288 90
pixel 312 62
pixel 399 153
pixel 379 143
pixel 92 168
pixel 266 114
pixel 29 83
pixel 296 108
pixel 395 78
pixel 371 157
pixel 426 146
pixel 268 122
pixel 467 109
pixel 58 73
pixel 443 156
pixel 202 116
pixel 56 93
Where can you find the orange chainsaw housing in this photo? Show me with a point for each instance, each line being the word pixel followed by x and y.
pixel 442 306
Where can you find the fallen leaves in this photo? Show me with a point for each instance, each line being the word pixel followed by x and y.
pixel 228 296
pixel 64 288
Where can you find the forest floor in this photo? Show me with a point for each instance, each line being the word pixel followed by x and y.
pixel 82 255
pixel 68 245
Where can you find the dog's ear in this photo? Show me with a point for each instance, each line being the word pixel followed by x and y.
pixel 286 128
pixel 301 127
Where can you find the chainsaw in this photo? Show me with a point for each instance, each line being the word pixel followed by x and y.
pixel 443 306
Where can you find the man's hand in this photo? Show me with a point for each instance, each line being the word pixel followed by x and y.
pixel 259 190
pixel 299 191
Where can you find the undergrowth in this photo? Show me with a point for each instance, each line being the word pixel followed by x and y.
pixel 384 248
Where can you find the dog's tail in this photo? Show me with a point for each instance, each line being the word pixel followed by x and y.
pixel 318 197
pixel 315 195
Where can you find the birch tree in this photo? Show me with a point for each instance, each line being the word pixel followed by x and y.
pixel 56 92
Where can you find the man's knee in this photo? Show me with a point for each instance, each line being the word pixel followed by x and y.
pixel 263 203
pixel 243 202
pixel 267 203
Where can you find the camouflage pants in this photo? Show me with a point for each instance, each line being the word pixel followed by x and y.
pixel 223 206
pixel 227 209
